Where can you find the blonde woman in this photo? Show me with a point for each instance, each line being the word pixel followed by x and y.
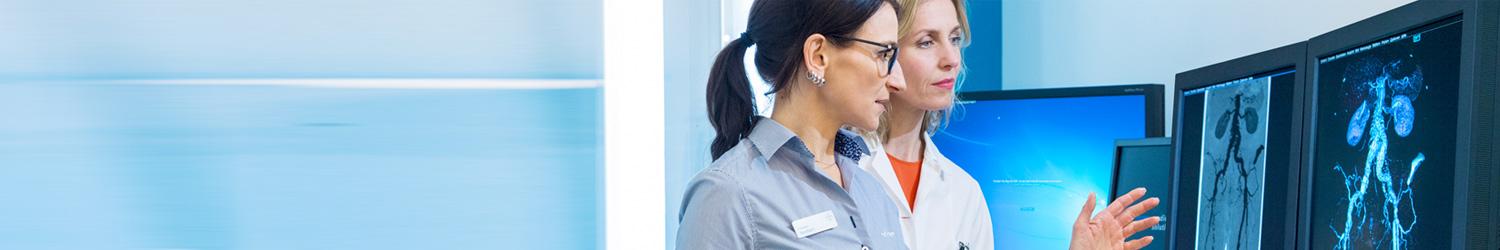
pixel 941 206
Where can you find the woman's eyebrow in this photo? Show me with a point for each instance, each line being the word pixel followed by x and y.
pixel 923 32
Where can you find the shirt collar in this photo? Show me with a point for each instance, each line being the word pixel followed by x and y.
pixel 768 136
pixel 850 144
pixel 931 156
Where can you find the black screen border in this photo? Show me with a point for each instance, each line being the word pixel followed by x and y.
pixel 1152 92
pixel 1476 202
pixel 1114 178
pixel 1288 57
pixel 1120 145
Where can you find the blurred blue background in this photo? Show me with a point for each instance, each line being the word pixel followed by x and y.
pixel 301 38
pixel 125 124
pixel 108 166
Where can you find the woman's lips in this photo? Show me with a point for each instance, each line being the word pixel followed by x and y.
pixel 944 84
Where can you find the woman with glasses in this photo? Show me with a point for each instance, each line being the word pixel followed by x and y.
pixel 941 205
pixel 792 180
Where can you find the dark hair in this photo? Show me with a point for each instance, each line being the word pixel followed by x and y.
pixel 777 28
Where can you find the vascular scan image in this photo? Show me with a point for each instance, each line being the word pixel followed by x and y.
pixel 1385 131
pixel 1232 179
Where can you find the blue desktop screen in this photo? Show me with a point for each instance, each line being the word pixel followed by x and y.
pixel 1038 159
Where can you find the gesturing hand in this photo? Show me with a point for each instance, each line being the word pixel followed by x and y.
pixel 1109 229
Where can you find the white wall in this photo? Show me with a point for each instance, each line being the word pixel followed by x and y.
pixel 1069 43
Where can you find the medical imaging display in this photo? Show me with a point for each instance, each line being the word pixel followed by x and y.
pixel 1385 142
pixel 1232 160
pixel 1037 159
pixel 1233 134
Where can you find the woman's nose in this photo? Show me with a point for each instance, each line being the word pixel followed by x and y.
pixel 896 81
pixel 949 59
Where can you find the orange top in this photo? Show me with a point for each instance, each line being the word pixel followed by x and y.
pixel 907 173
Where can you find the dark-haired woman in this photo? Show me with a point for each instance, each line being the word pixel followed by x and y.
pixel 792 181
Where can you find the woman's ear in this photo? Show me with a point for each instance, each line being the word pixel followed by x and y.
pixel 815 54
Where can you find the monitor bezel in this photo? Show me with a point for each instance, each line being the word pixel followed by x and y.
pixel 1114 178
pixel 1474 155
pixel 1152 92
pixel 1120 145
pixel 1287 57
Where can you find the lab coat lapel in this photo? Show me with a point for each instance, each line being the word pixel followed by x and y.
pixel 880 165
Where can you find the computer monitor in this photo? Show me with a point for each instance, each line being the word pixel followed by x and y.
pixel 1401 136
pixel 1238 128
pixel 1147 163
pixel 1037 154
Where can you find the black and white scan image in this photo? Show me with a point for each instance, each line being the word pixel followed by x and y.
pixel 1233 160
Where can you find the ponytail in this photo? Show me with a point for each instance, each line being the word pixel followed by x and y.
pixel 731 106
pixel 778 29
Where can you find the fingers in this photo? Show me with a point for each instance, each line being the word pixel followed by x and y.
pixel 1141 225
pixel 1083 216
pixel 1118 206
pixel 1138 243
pixel 1111 229
pixel 1139 208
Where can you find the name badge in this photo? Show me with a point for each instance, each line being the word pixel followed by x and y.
pixel 817 223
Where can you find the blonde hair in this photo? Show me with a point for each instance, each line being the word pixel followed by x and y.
pixel 932 119
pixel 907 17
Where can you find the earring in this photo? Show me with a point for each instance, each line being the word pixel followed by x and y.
pixel 817 80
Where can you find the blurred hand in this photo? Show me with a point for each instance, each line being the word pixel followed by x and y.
pixel 1109 229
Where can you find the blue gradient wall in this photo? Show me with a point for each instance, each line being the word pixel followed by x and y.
pixel 100 149
pixel 286 38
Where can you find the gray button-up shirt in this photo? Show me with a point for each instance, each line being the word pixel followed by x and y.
pixel 749 197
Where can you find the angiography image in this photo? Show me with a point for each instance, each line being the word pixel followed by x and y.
pixel 1232 180
pixel 1386 127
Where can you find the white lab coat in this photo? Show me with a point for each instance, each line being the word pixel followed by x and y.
pixel 950 207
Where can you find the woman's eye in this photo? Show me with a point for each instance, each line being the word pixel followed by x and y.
pixel 924 44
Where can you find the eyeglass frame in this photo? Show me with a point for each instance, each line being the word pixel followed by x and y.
pixel 890 66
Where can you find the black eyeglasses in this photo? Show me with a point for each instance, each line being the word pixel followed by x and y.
pixel 886 55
